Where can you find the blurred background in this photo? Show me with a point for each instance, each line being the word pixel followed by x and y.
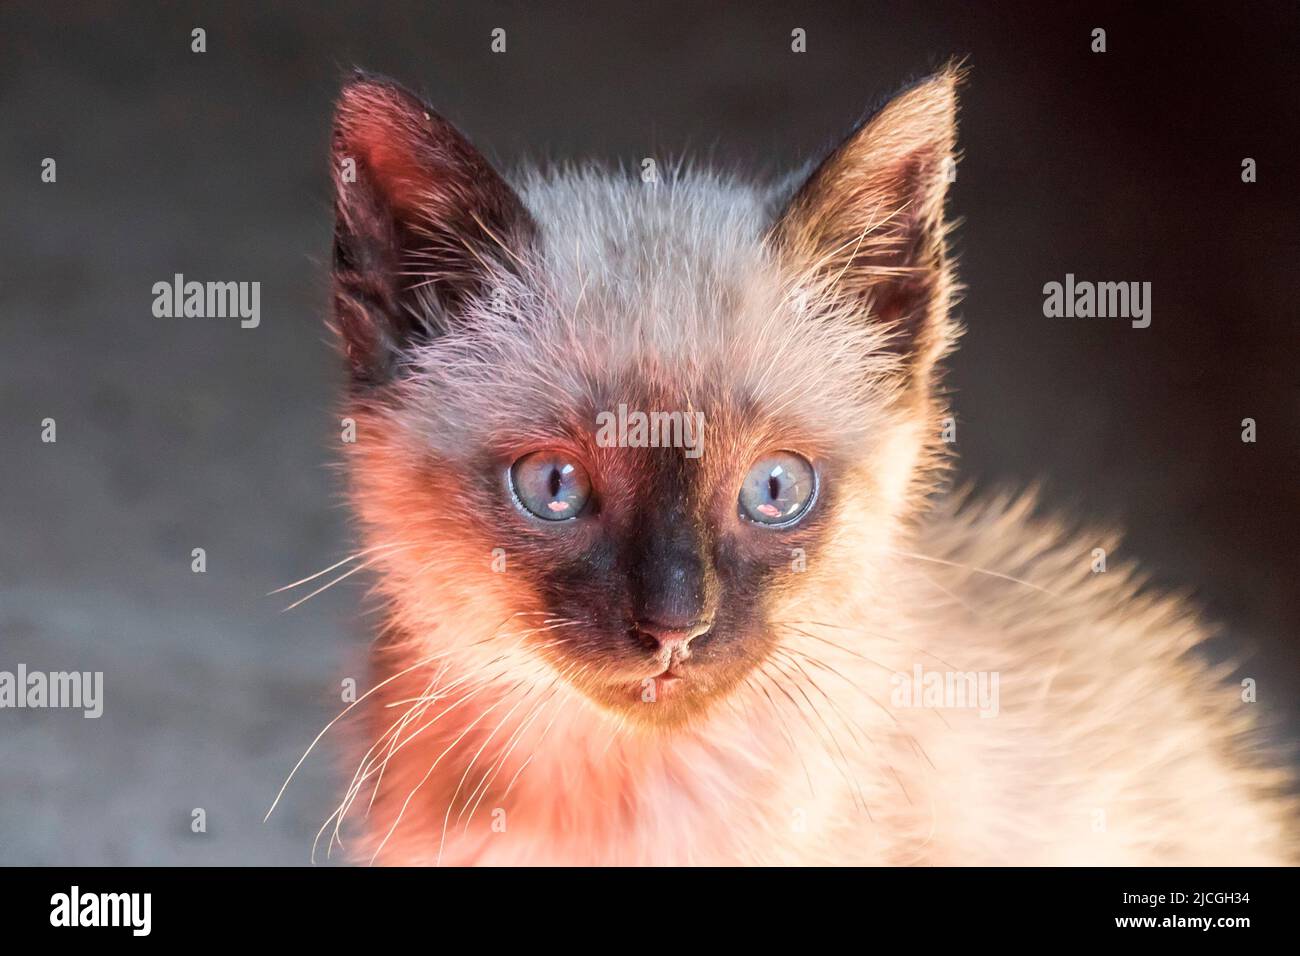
pixel 182 433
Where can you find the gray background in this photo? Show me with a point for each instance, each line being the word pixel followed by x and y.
pixel 175 434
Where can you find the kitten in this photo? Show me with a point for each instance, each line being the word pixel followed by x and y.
pixel 790 648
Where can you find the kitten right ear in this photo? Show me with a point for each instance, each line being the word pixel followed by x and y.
pixel 868 223
pixel 422 223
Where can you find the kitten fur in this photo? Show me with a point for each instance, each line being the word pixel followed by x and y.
pixel 482 320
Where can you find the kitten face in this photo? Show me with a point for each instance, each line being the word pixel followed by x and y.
pixel 665 587
pixel 490 330
pixel 669 583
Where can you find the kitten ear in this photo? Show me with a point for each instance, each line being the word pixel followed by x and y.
pixel 422 223
pixel 867 226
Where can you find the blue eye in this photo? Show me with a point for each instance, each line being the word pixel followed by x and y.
pixel 778 489
pixel 550 485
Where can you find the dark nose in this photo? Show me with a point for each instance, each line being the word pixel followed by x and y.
pixel 673 584
pixel 675 592
pixel 674 638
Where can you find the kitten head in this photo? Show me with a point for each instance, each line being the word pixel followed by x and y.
pixel 626 435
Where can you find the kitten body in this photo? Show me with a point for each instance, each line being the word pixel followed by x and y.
pixel 519 716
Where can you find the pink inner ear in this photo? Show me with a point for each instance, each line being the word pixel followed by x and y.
pixel 378 131
pixel 396 169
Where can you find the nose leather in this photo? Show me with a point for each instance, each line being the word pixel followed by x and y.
pixel 674 586
pixel 674 639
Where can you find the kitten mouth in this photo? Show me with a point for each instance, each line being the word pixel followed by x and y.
pixel 669 683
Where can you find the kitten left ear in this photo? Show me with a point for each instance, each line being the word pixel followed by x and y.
pixel 867 227
pixel 423 224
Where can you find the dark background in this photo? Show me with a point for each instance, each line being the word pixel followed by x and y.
pixel 183 433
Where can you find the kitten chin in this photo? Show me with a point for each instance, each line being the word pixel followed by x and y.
pixel 783 644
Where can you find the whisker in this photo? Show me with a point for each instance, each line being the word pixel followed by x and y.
pixel 338 815
pixel 325 587
pixel 336 719
pixel 883 709
pixel 337 564
pixel 974 570
pixel 511 743
pixel 446 819
pixel 785 729
pixel 841 767
pixel 410 796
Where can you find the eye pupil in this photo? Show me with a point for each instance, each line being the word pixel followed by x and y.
pixel 556 482
pixel 774 487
